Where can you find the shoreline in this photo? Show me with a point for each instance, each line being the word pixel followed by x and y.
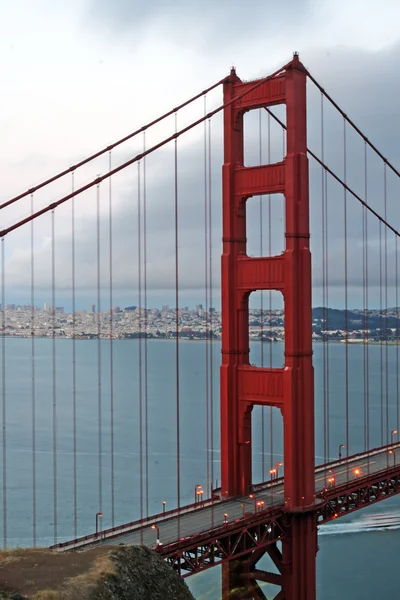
pixel 213 340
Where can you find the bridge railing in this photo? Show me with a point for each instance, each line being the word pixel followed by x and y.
pixel 165 516
pixel 133 525
pixel 258 487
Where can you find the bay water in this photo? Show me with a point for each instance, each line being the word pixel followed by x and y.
pixel 98 466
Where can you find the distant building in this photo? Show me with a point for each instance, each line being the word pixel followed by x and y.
pixel 46 307
pixel 93 308
pixel 200 310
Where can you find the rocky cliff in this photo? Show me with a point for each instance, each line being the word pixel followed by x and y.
pixel 103 573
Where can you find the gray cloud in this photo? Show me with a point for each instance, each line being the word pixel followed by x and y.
pixel 373 112
pixel 204 22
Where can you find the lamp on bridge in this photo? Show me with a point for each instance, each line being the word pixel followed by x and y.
pixel 158 533
pixel 331 478
pixel 278 464
pixel 196 495
pixel 340 450
pixel 272 472
pixel 163 507
pixel 392 434
pixel 98 515
pixel 225 518
pixel 260 504
pixel 394 456
pixel 255 501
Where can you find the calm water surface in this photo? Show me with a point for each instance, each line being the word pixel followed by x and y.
pixel 350 565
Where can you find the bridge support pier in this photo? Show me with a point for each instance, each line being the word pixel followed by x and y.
pixel 291 389
pixel 295 565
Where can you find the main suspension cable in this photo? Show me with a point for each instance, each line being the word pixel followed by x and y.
pixel 111 146
pixel 336 177
pixel 353 125
pixel 136 158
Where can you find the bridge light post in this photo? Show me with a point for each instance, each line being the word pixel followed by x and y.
pixel 196 487
pixel 340 450
pixel 272 472
pixel 255 501
pixel 331 478
pixel 226 519
pixel 158 533
pixel 278 464
pixel 200 495
pixel 392 434
pixel 357 471
pixel 394 457
pixel 163 507
pixel 243 510
pixel 98 515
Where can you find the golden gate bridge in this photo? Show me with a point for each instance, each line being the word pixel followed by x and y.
pixel 239 521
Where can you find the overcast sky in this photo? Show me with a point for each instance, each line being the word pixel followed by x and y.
pixel 77 76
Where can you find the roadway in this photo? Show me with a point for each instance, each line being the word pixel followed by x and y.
pixel 205 516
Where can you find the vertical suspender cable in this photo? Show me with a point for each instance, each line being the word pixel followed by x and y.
pixel 386 313
pixel 33 374
pixel 380 329
pixel 3 390
pixel 367 292
pixel 324 308
pixel 365 324
pixel 327 317
pixel 75 490
pixel 271 410
pixel 262 298
pixel 139 251
pixel 178 445
pixel 284 130
pixel 111 347
pixel 146 395
pixel 99 380
pixel 396 266
pixel 346 299
pixel 210 297
pixel 366 303
pixel 206 282
pixel 53 332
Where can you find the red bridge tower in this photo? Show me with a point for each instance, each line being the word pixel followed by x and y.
pixel 290 388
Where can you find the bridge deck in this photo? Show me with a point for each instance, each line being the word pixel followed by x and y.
pixel 197 519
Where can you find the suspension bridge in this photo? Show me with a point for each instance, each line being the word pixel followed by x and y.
pixel 283 455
